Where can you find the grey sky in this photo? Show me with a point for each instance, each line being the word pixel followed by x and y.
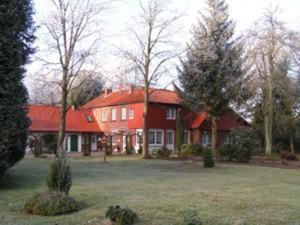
pixel 243 12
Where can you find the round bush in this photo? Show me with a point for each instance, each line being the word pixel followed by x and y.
pixel 51 204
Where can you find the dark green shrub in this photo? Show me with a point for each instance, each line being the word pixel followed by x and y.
pixel 59 176
pixel 188 150
pixel 161 153
pixel 208 159
pixel 140 150
pixel 51 204
pixel 129 150
pixel 121 216
pixel 234 152
pixel 191 217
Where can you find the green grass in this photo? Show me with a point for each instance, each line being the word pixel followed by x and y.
pixel 159 191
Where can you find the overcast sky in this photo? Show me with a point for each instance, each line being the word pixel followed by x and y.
pixel 243 12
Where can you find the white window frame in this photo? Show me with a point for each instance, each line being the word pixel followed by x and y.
pixel 171 113
pixel 113 114
pixel 130 113
pixel 123 113
pixel 155 137
pixel 139 132
pixel 188 140
pixel 104 115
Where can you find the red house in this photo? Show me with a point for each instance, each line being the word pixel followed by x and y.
pixel 119 114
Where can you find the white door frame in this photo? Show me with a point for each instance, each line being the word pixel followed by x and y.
pixel 170 146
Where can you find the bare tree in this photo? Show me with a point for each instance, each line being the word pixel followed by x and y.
pixel 153 48
pixel 73 42
pixel 269 43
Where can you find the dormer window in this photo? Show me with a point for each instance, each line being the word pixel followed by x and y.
pixel 103 116
pixel 171 114
pixel 88 118
pixel 124 114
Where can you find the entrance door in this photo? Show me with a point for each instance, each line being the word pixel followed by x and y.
pixel 170 139
pixel 93 143
pixel 74 143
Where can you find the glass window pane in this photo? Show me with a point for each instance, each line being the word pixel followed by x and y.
pixel 170 138
pixel 159 137
pixel 151 137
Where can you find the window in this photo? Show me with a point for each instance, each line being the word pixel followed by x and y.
pixel 186 137
pixel 130 112
pixel 88 118
pixel 113 114
pixel 206 138
pixel 123 114
pixel 103 115
pixel 156 137
pixel 139 136
pixel 170 137
pixel 171 114
pixel 227 139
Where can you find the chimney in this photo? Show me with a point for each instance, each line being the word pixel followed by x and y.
pixel 131 88
pixel 107 91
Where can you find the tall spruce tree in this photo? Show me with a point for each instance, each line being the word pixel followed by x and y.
pixel 212 71
pixel 179 130
pixel 16 38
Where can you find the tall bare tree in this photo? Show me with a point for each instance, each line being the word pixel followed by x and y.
pixel 73 41
pixel 269 43
pixel 153 47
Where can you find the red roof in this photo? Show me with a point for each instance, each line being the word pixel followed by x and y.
pixel 46 118
pixel 136 95
pixel 199 120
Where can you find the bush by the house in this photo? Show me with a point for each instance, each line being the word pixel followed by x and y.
pixel 188 150
pixel 129 150
pixel 50 204
pixel 59 176
pixel 208 159
pixel 288 156
pixel 140 150
pixel 121 216
pixel 234 152
pixel 191 217
pixel 161 153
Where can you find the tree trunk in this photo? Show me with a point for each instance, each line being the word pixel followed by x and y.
pixel 292 143
pixel 268 135
pixel 214 133
pixel 63 112
pixel 145 153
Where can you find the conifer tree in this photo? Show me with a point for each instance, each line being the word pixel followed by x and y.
pixel 179 130
pixel 16 38
pixel 212 71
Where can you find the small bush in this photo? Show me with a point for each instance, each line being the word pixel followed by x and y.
pixel 140 150
pixel 191 217
pixel 59 176
pixel 51 204
pixel 238 152
pixel 288 156
pixel 121 216
pixel 208 159
pixel 161 153
pixel 188 150
pixel 129 150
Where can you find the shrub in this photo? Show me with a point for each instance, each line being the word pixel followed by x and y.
pixel 51 204
pixel 188 150
pixel 208 159
pixel 129 150
pixel 161 153
pixel 121 216
pixel 288 156
pixel 59 176
pixel 140 150
pixel 190 217
pixel 238 152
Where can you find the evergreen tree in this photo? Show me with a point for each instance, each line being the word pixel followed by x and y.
pixel 16 37
pixel 212 71
pixel 179 130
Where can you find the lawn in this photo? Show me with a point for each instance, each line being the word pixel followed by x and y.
pixel 159 191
